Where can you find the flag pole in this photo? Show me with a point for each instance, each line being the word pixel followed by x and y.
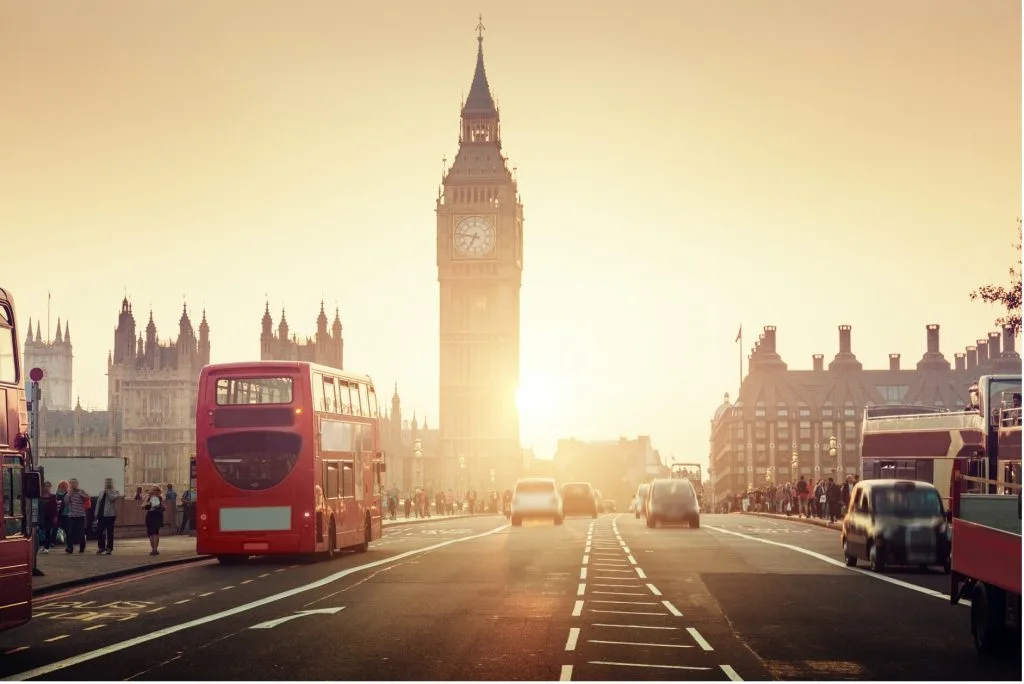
pixel 740 336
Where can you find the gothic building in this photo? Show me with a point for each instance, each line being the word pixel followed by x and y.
pixel 784 416
pixel 479 267
pixel 153 386
pixel 78 433
pixel 412 451
pixel 326 348
pixel 55 358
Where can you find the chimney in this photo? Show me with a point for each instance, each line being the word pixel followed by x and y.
pixel 894 362
pixel 769 338
pixel 819 362
pixel 844 339
pixel 994 339
pixel 972 358
pixel 982 352
pixel 1009 343
pixel 960 359
pixel 933 338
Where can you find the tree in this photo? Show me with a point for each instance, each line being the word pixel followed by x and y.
pixel 1009 298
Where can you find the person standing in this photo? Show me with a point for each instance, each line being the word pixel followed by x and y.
pixel 77 502
pixel 48 511
pixel 106 514
pixel 154 507
pixel 171 501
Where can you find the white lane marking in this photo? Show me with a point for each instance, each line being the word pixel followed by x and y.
pixel 626 612
pixel 841 564
pixel 637 643
pixel 19 649
pixel 621 593
pixel 606 564
pixel 629 603
pixel 583 573
pixel 620 586
pixel 280 570
pixel 731 673
pixel 574 635
pixel 632 560
pixel 586 559
pixel 89 629
pixel 57 638
pixel 266 574
pixel 608 624
pixel 626 549
pixel 672 609
pixel 178 603
pixel 607 555
pixel 577 609
pixel 206 619
pixel 270 624
pixel 668 667
pixel 586 549
pixel 699 638
pixel 566 673
pixel 611 570
pixel 640 573
pixel 209 593
pixel 156 610
pixel 654 589
pixel 245 581
pixel 230 586
pixel 581 589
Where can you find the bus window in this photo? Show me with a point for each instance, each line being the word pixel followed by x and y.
pixel 318 395
pixel 13 468
pixel 235 391
pixel 348 484
pixel 343 397
pixel 333 480
pixel 373 401
pixel 330 398
pixel 354 394
pixel 8 362
pixel 365 398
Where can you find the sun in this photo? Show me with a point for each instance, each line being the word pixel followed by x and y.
pixel 536 402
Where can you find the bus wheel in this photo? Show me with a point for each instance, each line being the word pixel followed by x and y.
pixel 365 546
pixel 987 619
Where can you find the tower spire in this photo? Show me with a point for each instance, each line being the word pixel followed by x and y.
pixel 479 100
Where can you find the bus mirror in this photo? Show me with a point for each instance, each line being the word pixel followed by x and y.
pixel 31 485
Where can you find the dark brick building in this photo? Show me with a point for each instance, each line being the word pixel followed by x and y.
pixel 782 414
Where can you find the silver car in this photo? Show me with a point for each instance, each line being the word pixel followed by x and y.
pixel 536 497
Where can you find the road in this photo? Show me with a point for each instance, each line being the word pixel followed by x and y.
pixel 606 599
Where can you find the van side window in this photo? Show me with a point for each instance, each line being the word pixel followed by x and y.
pixel 863 504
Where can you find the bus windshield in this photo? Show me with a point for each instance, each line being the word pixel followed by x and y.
pixel 234 391
pixel 255 460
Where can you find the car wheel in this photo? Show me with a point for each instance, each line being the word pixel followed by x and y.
pixel 695 522
pixel 876 559
pixel 851 560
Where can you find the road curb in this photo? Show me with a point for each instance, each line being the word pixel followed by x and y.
pixel 807 521
pixel 114 574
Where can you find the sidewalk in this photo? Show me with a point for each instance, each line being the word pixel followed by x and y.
pixel 796 518
pixel 64 570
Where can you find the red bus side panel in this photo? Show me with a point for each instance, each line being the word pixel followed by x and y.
pixel 987 554
pixel 15 581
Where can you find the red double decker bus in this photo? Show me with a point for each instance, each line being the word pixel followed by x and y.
pixel 288 460
pixel 19 483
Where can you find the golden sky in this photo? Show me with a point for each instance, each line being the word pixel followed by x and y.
pixel 685 166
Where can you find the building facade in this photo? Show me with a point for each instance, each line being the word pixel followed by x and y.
pixel 412 451
pixel 779 426
pixel 56 358
pixel 153 386
pixel 479 267
pixel 326 348
pixel 616 467
pixel 78 433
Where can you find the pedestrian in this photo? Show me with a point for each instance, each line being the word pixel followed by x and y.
pixel 171 501
pixel 188 511
pixel 78 503
pixel 154 507
pixel 106 514
pixel 49 511
pixel 62 512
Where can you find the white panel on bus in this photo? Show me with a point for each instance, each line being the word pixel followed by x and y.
pixel 266 519
pixel 336 436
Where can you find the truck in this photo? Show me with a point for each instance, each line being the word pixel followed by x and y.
pixel 986 526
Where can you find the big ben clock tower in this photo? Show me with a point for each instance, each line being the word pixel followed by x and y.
pixel 479 267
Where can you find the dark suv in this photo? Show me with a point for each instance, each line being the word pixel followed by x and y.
pixel 579 498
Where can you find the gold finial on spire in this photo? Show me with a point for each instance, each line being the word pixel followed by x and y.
pixel 480 28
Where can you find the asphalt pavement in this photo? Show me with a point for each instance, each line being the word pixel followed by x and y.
pixel 473 598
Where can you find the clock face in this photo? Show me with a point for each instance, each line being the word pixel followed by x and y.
pixel 474 236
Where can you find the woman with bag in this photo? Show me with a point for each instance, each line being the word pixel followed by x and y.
pixel 153 504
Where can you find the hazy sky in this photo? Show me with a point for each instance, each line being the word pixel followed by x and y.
pixel 685 166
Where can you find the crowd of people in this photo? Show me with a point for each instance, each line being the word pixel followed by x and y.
pixel 423 503
pixel 824 499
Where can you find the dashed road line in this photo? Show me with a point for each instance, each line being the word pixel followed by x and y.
pixel 631 559
pixel 280 570
pixel 566 673
pixel 608 624
pixel 625 612
pixel 266 574
pixel 699 639
pixel 89 629
pixel 586 559
pixel 57 638
pixel 731 673
pixel 246 581
pixel 629 603
pixel 611 570
pixel 618 586
pixel 668 667
pixel 581 589
pixel 654 589
pixel 583 573
pixel 574 635
pixel 621 593
pixel 209 593
pixel 577 609
pixel 640 573
pixel 19 649
pixel 637 643
pixel 178 603
pixel 156 610
pixel 672 609
pixel 230 586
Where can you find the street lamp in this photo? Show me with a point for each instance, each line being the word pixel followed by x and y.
pixel 795 463
pixel 833 454
pixel 417 452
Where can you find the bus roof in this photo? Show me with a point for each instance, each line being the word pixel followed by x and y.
pixel 280 367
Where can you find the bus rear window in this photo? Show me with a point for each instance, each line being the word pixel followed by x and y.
pixel 255 460
pixel 248 391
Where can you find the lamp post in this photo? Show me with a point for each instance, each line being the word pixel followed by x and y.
pixel 795 463
pixel 417 452
pixel 833 454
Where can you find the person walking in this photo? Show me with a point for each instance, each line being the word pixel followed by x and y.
pixel 77 502
pixel 106 514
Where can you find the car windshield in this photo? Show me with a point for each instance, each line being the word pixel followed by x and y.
pixel 576 490
pixel 535 487
pixel 907 503
pixel 672 489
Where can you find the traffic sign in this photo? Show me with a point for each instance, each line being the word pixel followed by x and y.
pixel 36 374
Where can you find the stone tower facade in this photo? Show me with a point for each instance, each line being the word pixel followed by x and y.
pixel 326 348
pixel 479 267
pixel 153 385
pixel 56 359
